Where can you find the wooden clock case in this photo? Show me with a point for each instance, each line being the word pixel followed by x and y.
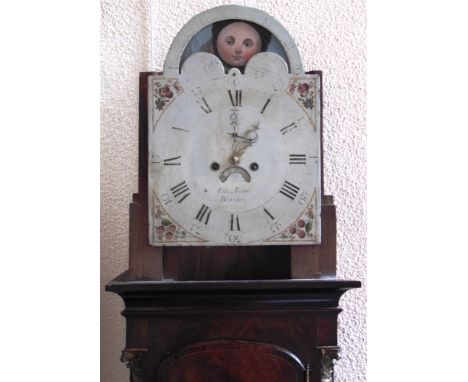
pixel 247 313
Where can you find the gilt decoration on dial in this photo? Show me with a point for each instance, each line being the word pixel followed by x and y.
pixel 234 159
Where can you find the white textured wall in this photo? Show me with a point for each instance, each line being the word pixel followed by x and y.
pixel 331 36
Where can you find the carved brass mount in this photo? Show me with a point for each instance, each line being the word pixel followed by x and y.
pixel 330 355
pixel 133 359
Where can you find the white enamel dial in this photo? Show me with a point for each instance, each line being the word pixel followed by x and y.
pixel 231 162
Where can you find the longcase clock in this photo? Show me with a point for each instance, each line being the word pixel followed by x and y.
pixel 232 241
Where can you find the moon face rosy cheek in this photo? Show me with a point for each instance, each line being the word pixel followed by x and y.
pixel 249 54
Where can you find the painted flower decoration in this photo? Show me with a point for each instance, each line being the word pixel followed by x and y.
pixel 303 89
pixel 163 94
pixel 302 228
pixel 167 230
pixel 166 92
pixel 308 104
pixel 305 92
pixel 159 103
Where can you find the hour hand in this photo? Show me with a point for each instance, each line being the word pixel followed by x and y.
pixel 247 138
pixel 250 135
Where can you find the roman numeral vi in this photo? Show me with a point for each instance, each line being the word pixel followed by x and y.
pixel 235 222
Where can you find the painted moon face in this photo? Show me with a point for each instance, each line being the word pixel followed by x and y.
pixel 237 43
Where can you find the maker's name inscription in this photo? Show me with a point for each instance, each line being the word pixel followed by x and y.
pixel 232 195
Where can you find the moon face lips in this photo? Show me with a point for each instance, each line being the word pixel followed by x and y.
pixel 235 170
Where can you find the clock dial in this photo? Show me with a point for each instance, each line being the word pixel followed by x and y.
pixel 237 165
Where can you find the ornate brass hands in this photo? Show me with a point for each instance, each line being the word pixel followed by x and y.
pixel 240 143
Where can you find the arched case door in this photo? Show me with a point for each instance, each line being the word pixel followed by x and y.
pixel 231 361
